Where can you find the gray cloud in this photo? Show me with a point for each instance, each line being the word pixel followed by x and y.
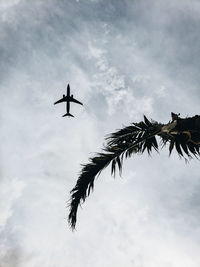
pixel 123 59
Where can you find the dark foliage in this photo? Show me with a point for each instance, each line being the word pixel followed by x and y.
pixel 182 134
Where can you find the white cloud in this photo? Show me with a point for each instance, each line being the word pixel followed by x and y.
pixel 121 63
pixel 111 84
pixel 10 191
pixel 4 4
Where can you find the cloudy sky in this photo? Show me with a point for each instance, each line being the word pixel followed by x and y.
pixel 123 59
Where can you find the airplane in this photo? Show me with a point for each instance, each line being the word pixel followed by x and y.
pixel 67 98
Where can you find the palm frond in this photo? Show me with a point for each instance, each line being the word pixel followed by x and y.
pixel 85 182
pixel 132 139
pixel 182 134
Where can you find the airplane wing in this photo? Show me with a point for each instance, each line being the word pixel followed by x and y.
pixel 60 101
pixel 75 101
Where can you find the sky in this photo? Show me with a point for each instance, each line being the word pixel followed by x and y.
pixel 123 59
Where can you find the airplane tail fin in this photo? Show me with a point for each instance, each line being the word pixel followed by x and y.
pixel 68 114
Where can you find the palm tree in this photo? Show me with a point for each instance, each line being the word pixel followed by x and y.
pixel 180 133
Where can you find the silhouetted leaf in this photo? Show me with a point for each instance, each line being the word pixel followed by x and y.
pixel 185 149
pixel 171 146
pixel 148 123
pixel 178 148
pixel 131 140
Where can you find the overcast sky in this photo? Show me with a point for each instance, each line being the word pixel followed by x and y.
pixel 123 59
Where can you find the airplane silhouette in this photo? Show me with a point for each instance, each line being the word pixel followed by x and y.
pixel 67 98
